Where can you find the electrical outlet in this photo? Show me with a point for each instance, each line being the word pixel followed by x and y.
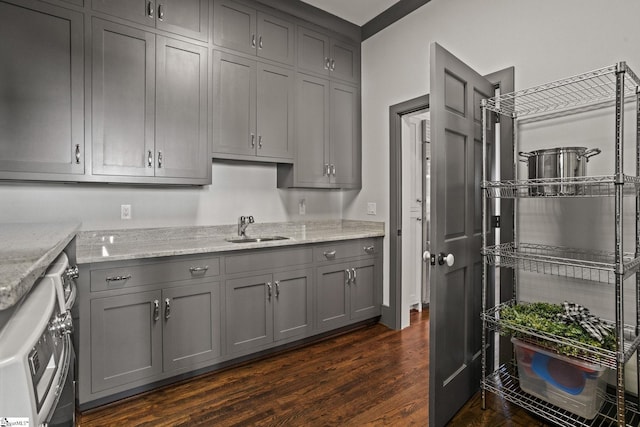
pixel 302 207
pixel 125 211
pixel 371 208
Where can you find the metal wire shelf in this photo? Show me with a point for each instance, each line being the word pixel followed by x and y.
pixel 591 186
pixel 596 266
pixel 591 88
pixel 504 383
pixel 585 352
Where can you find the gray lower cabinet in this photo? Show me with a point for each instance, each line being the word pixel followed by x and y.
pixel 266 308
pixel 188 18
pixel 140 335
pixel 327 134
pixel 149 114
pixel 254 32
pixel 253 110
pixel 144 321
pixel 347 292
pixel 41 82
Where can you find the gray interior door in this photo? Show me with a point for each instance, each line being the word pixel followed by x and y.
pixel 456 144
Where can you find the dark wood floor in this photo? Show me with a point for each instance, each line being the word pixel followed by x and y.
pixel 373 376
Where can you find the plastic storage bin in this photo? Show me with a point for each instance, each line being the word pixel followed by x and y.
pixel 571 384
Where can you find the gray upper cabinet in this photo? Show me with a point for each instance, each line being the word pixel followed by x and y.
pixel 188 18
pixel 253 110
pixel 149 112
pixel 181 110
pixel 247 30
pixel 327 133
pixel 318 53
pixel 123 119
pixel 41 81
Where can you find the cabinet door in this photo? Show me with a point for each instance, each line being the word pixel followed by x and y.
pixel 123 75
pixel 345 135
pixel 181 110
pixel 234 105
pixel 275 38
pixel 345 61
pixel 292 304
pixel 312 131
pixel 41 82
pixel 249 312
pixel 275 111
pixel 191 316
pixel 313 51
pixel 235 26
pixel 332 297
pixel 365 290
pixel 139 11
pixel 126 339
pixel 189 18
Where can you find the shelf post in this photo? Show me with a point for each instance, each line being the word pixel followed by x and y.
pixel 637 196
pixel 483 105
pixel 619 273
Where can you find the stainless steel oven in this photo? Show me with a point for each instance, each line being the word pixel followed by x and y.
pixel 37 357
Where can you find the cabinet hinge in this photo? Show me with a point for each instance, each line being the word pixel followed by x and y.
pixel 495 221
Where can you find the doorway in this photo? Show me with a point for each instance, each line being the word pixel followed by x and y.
pixel 416 205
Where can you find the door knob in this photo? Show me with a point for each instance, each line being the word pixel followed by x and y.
pixel 449 259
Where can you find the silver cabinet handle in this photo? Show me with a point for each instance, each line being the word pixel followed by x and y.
pixel 117 278
pixel 259 141
pixel 150 9
pixel 419 200
pixel 159 159
pixel 354 275
pixel 332 67
pixel 369 249
pixel 167 308
pixel 161 10
pixel 269 290
pixel 330 255
pixel 326 170
pixel 419 218
pixel 327 63
pixel 277 288
pixel 253 40
pixel 198 269
pixel 156 310
pixel 333 170
pixel 348 272
pixel 253 140
pixel 260 42
pixel 150 159
pixel 77 154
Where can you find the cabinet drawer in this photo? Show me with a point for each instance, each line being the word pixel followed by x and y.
pixel 267 260
pixel 346 249
pixel 147 274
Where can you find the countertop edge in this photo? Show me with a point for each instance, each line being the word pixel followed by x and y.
pixel 21 285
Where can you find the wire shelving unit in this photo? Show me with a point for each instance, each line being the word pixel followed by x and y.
pixel 611 86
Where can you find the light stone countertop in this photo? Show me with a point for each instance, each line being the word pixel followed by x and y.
pixel 26 251
pixel 127 244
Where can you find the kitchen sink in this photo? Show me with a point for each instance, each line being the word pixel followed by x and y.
pixel 255 239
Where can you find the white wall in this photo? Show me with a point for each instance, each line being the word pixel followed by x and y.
pixel 544 39
pixel 237 189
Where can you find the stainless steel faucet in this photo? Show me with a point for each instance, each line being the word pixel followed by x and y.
pixel 243 223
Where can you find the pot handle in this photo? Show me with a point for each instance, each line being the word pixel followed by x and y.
pixel 591 153
pixel 526 155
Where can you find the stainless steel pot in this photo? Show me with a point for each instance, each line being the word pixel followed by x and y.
pixel 563 163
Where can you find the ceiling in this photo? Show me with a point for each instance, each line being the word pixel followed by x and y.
pixel 358 12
